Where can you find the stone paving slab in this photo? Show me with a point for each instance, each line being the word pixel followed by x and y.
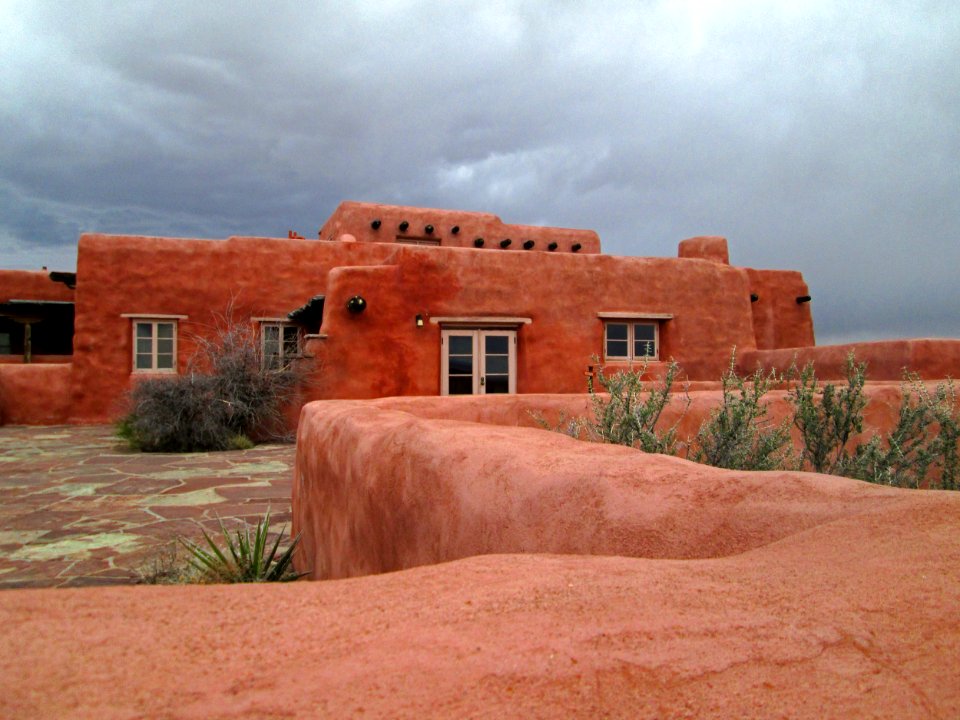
pixel 79 508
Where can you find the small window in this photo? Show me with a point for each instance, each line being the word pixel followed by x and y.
pixel 631 341
pixel 6 346
pixel 280 344
pixel 154 346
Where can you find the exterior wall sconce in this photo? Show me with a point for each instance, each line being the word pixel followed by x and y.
pixel 576 247
pixel 505 243
pixel 428 229
pixel 403 226
pixel 478 242
pixel 803 299
pixel 419 320
pixel 455 230
pixel 552 246
pixel 356 304
pixel 528 245
pixel 754 297
pixel 375 224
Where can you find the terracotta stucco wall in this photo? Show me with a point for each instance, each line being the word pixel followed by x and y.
pixel 36 394
pixel 31 285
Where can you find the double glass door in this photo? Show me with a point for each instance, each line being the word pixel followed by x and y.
pixel 478 362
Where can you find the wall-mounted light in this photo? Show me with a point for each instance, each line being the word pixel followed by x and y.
pixel 403 226
pixel 505 243
pixel 478 242
pixel 552 246
pixel 455 230
pixel 528 245
pixel 801 299
pixel 356 304
pixel 754 297
pixel 419 320
pixel 576 247
pixel 375 224
pixel 428 229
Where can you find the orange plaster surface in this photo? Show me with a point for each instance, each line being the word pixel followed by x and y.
pixel 35 394
pixel 747 595
pixel 31 285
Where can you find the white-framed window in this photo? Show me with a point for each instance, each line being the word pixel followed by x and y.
pixel 279 343
pixel 155 346
pixel 631 340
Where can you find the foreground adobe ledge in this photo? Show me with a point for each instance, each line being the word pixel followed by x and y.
pixel 392 484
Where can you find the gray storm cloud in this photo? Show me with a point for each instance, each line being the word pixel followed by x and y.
pixel 820 136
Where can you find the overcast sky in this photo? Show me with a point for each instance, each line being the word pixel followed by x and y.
pixel 817 136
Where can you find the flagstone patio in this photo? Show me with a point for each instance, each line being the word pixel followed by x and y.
pixel 78 508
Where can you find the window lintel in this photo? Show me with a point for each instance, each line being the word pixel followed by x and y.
pixel 638 316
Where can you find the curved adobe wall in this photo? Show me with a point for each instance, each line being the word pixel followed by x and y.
pixel 35 394
pixel 378 489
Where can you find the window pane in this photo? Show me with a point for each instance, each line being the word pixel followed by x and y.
pixel 617 348
pixel 460 365
pixel 616 331
pixel 461 345
pixel 144 345
pixel 644 332
pixel 497 384
pixel 164 330
pixel 291 340
pixel 643 348
pixel 144 362
pixel 164 362
pixel 496 345
pixel 460 385
pixel 497 364
pixel 144 330
pixel 165 346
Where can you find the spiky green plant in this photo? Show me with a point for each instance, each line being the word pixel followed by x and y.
pixel 244 559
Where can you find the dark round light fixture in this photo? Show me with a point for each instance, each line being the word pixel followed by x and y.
pixel 356 304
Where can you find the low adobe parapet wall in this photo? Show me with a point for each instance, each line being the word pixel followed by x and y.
pixel 392 484
pixel 931 359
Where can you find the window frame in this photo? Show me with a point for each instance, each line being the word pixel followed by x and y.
pixel 478 355
pixel 283 358
pixel 154 323
pixel 631 324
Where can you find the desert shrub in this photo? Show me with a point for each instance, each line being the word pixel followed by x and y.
pixel 244 558
pixel 227 396
pixel 631 414
pixel 921 450
pixel 828 417
pixel 739 435
pixel 572 426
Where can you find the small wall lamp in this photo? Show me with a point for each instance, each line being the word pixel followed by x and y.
pixel 754 297
pixel 576 247
pixel 552 246
pixel 528 245
pixel 375 224
pixel 803 299
pixel 356 304
pixel 404 225
pixel 478 242
pixel 505 243
pixel 455 230
pixel 419 320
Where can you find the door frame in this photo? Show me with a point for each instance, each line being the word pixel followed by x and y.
pixel 478 334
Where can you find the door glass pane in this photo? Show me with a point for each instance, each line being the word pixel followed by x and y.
pixel 497 364
pixel 460 385
pixel 496 345
pixel 461 345
pixel 497 384
pixel 460 365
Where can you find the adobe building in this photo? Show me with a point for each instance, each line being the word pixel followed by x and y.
pixel 394 301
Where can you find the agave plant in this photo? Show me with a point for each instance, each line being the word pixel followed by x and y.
pixel 245 558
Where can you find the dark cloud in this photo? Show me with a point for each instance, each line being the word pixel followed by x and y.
pixel 819 136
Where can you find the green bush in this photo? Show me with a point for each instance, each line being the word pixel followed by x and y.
pixel 828 417
pixel 227 396
pixel 631 414
pixel 738 435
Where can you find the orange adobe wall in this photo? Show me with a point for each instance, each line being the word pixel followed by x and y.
pixel 31 285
